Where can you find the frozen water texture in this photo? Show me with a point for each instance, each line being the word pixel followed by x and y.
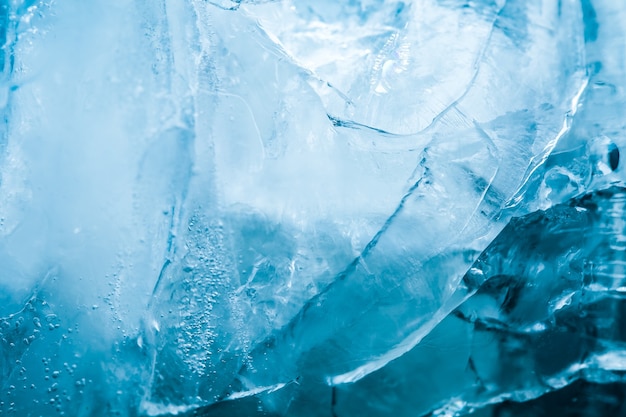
pixel 549 313
pixel 247 207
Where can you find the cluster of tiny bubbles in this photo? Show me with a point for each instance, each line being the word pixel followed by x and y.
pixel 57 396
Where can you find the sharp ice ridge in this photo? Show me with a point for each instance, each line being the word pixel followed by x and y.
pixel 401 348
pixel 477 65
pixel 338 122
pixel 538 160
pixel 258 390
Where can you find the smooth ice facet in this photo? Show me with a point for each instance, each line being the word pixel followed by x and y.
pixel 242 207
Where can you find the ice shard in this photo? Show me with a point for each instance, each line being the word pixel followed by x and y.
pixel 548 314
pixel 249 207
pixel 389 285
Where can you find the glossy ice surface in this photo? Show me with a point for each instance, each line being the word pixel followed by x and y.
pixel 312 207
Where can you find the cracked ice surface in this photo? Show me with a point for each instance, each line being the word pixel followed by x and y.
pixel 250 207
